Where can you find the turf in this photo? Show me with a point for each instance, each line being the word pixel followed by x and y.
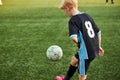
pixel 26 31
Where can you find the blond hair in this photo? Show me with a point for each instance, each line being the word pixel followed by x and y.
pixel 69 3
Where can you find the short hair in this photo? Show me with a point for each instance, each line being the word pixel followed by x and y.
pixel 69 3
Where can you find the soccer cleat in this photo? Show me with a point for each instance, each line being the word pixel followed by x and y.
pixel 60 77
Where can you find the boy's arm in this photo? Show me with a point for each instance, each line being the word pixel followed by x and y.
pixel 99 38
pixel 101 51
pixel 75 40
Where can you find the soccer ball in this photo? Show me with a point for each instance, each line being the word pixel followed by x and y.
pixel 54 52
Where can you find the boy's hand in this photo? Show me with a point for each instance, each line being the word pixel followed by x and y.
pixel 101 51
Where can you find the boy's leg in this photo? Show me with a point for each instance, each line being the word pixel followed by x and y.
pixel 86 67
pixel 112 2
pixel 82 77
pixel 72 68
pixel 106 1
pixel 70 72
pixel 0 2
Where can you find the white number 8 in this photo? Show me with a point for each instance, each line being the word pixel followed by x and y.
pixel 90 30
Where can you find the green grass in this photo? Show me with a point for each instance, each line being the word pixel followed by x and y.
pixel 26 31
pixel 54 3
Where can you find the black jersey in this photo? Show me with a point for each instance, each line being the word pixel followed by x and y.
pixel 83 26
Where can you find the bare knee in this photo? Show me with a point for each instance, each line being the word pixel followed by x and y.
pixel 74 61
pixel 82 77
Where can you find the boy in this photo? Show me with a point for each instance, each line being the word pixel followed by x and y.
pixel 85 34
pixel 112 2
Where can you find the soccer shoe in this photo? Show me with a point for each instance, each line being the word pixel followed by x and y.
pixel 59 77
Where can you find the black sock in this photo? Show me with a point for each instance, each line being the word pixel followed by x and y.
pixel 70 72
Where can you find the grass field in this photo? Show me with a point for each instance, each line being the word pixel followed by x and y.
pixel 27 29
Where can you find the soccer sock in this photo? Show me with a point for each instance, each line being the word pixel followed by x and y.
pixel 70 72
